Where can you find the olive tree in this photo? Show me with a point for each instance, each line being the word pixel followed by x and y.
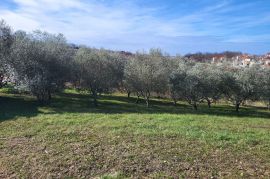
pixel 210 78
pixel 97 71
pixel 41 62
pixel 187 85
pixel 6 40
pixel 118 63
pixel 165 65
pixel 242 84
pixel 266 87
pixel 147 73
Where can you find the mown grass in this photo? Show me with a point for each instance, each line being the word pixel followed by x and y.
pixel 70 138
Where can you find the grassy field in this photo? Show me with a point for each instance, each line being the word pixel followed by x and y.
pixel 119 139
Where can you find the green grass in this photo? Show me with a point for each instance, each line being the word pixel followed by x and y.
pixel 70 138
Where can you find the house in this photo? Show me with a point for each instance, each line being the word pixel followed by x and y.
pixel 248 60
pixel 217 59
pixel 267 63
pixel 236 61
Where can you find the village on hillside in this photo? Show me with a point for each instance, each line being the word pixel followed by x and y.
pixel 243 60
pixel 236 59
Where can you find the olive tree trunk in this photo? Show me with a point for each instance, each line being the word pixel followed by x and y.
pixel 209 103
pixel 128 94
pixel 43 96
pixel 138 98
pixel 94 95
pixel 237 106
pixel 195 106
pixel 174 101
pixel 146 98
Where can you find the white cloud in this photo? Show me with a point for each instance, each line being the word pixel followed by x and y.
pixel 123 25
pixel 19 21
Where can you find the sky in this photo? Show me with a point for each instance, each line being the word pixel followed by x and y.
pixel 176 26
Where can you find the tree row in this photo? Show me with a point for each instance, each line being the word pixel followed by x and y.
pixel 41 64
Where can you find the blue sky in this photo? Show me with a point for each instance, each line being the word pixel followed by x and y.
pixel 176 26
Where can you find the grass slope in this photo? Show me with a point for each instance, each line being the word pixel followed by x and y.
pixel 119 139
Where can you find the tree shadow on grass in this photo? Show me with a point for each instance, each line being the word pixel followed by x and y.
pixel 15 106
pixel 76 103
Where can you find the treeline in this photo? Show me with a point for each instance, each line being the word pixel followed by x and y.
pixel 207 57
pixel 41 64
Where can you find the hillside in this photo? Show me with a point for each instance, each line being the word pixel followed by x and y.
pixel 120 139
